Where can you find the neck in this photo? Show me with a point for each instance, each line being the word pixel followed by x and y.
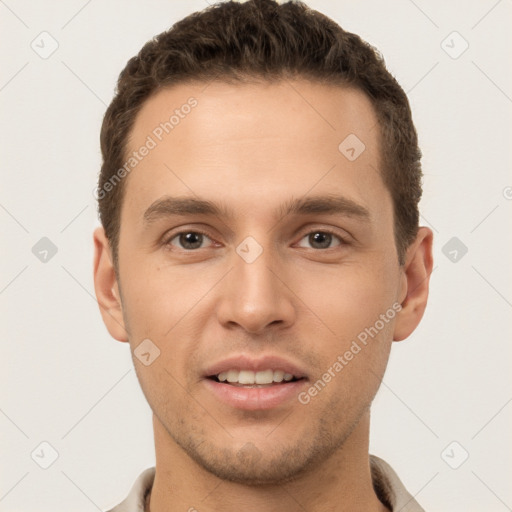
pixel 341 483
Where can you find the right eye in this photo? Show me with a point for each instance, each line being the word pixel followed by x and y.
pixel 188 240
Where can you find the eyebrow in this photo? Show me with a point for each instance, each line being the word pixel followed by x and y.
pixel 168 206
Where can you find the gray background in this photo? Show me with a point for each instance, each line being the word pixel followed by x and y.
pixel 67 383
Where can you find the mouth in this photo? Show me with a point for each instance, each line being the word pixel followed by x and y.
pixel 254 379
pixel 244 382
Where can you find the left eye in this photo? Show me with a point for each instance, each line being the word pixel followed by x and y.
pixel 321 239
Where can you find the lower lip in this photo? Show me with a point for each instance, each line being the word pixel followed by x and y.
pixel 254 399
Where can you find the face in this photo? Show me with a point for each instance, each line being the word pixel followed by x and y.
pixel 254 249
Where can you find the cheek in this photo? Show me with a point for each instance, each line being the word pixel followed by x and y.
pixel 158 298
pixel 166 306
pixel 348 299
pixel 163 389
pixel 353 335
pixel 351 372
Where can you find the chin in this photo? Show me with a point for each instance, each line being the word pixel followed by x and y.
pixel 262 464
pixel 249 466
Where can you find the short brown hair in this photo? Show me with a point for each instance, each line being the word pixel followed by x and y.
pixel 272 41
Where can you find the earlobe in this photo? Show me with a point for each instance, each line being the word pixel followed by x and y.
pixel 106 287
pixel 415 284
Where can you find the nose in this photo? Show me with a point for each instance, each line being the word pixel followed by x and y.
pixel 255 296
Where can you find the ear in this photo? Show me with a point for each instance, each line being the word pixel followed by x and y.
pixel 415 284
pixel 106 287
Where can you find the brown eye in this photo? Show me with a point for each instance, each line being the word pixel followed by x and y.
pixel 188 240
pixel 322 239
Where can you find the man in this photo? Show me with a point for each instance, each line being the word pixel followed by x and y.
pixel 260 252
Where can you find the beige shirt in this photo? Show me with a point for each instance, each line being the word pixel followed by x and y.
pixel 387 485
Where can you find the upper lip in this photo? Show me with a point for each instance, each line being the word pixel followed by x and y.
pixel 255 364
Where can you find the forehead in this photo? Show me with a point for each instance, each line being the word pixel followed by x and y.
pixel 218 112
pixel 246 142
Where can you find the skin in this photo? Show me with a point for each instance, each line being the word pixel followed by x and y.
pixel 253 147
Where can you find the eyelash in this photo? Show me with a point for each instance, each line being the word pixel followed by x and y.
pixel 341 239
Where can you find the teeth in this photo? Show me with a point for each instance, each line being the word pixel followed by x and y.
pixel 232 375
pixel 246 377
pixel 266 377
pixel 278 376
pixel 250 377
